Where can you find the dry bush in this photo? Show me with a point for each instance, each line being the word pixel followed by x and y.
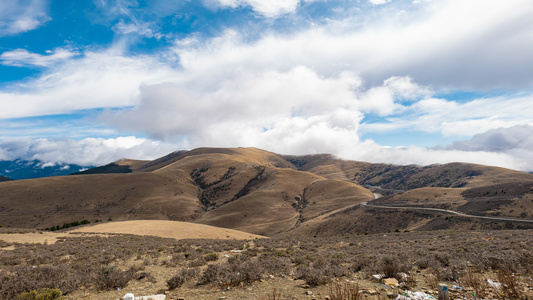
pixel 392 267
pixel 344 291
pixel 28 278
pixel 144 275
pixel 111 277
pixel 274 265
pixel 509 284
pixel 237 271
pixel 321 271
pixel 476 281
pixel 175 281
pixel 275 295
pixel 183 276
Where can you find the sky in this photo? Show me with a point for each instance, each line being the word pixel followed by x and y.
pixel 389 81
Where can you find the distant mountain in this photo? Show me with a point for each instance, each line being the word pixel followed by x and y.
pixel 2 178
pixel 24 169
pixel 111 168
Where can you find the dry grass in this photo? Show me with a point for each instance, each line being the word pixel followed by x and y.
pixel 77 265
pixel 167 229
pixel 344 291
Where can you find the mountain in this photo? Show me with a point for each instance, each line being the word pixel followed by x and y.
pixel 2 178
pixel 24 169
pixel 264 193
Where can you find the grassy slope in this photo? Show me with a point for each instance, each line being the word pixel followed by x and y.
pixel 256 191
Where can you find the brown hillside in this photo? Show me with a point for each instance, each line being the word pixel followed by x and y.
pixel 395 177
pixel 260 192
pixel 243 188
pixel 44 202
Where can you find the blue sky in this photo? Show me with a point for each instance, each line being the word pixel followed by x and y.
pixel 396 81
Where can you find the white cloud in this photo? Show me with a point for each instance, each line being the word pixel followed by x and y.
pixel 379 2
pixel 21 57
pixel 18 16
pixel 260 104
pixel 267 8
pixel 452 118
pixel 443 43
pixel 386 99
pixel 104 79
pixel 142 29
pixel 372 152
pixel 85 152
pixel 306 92
pixel 499 140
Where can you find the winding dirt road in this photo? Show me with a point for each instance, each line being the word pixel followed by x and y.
pixel 448 212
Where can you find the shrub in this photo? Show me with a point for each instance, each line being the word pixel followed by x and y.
pixel 476 281
pixel 232 273
pixel 111 277
pixel 392 267
pixel 321 271
pixel 509 284
pixel 175 282
pixel 41 294
pixel 211 257
pixel 183 276
pixel 344 291
pixel 29 278
pixel 145 275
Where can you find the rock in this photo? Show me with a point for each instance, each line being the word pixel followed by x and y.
pixel 390 281
pixel 129 296
pixel 305 286
pixel 308 292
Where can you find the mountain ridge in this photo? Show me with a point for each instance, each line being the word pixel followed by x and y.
pixel 264 193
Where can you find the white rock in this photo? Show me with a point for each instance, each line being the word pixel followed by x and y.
pixel 129 296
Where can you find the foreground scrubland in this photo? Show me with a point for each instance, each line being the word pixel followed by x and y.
pixel 484 264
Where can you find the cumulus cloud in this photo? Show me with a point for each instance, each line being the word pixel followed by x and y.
pixel 499 140
pixel 245 109
pixel 18 16
pixel 307 91
pixel 85 152
pixel 442 43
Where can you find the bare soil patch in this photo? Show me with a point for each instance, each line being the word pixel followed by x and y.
pixel 167 229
